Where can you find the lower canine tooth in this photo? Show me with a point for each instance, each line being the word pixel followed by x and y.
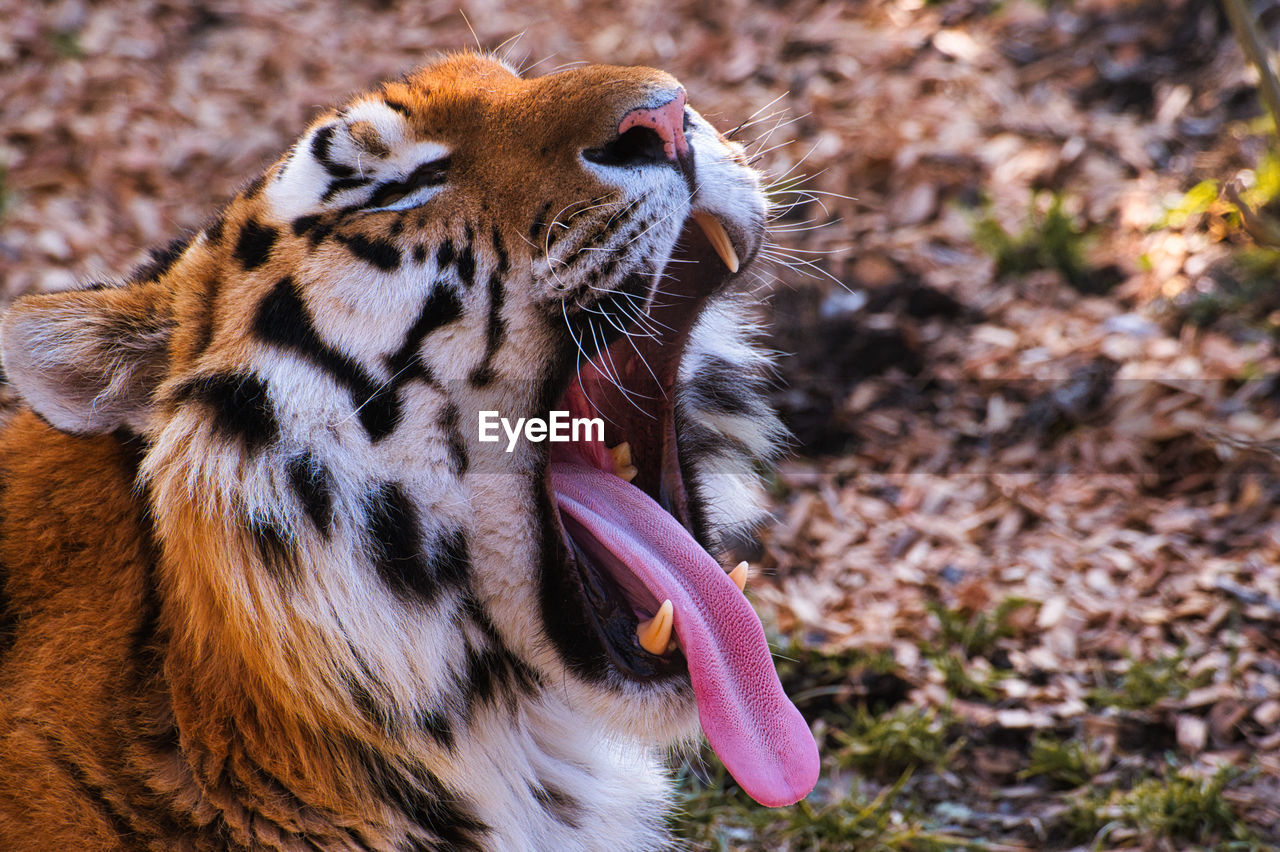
pixel 718 238
pixel 739 576
pixel 655 634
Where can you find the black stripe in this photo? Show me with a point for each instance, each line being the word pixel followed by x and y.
pixel 213 231
pixel 253 246
pixel 446 815
pixel 699 444
pixel 283 319
pixel 160 260
pixel 360 687
pixel 458 460
pixel 397 105
pixel 203 333
pixel 696 442
pixel 524 676
pixel 500 251
pixel 495 331
pixel 441 307
pixel 437 726
pixel 140 816
pixel 316 228
pixel 493 669
pixel 239 775
pixel 357 842
pixel 379 253
pixel 493 673
pixel 727 388
pixel 444 255
pixel 378 715
pixel 314 488
pixel 140 811
pixel 242 408
pixel 467 260
pixel 275 549
pixel 450 561
pixel 560 805
pixel 539 222
pixel 484 670
pixel 430 173
pixel 320 150
pixel 255 186
pixel 342 185
pixel 409 566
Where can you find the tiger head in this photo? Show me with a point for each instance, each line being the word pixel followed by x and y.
pixel 307 374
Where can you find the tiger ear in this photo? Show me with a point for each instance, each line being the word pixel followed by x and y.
pixel 89 360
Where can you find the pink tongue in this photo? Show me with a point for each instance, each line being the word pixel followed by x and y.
pixel 753 727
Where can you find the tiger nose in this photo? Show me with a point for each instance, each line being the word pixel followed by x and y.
pixel 666 120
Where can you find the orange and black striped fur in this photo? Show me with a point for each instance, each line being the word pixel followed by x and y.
pixel 262 587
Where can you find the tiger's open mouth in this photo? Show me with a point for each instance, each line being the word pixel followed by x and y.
pixel 663 607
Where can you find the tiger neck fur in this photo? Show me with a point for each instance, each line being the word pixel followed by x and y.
pixel 402 705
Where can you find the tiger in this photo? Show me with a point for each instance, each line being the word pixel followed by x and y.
pixel 264 587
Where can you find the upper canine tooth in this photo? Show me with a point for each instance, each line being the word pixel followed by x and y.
pixel 739 576
pixel 718 238
pixel 622 466
pixel 621 454
pixel 655 634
